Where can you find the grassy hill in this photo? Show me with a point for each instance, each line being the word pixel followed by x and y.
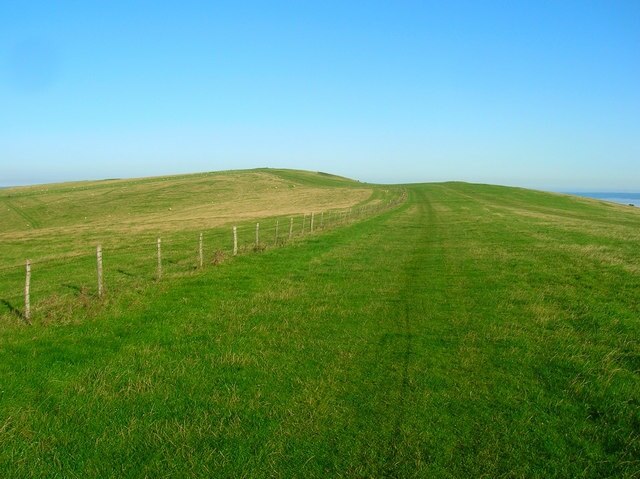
pixel 59 226
pixel 53 215
pixel 473 331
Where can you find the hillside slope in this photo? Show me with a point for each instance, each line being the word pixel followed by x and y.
pixel 474 331
pixel 174 203
pixel 59 226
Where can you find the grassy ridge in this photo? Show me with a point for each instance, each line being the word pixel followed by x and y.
pixel 476 331
pixel 50 215
pixel 58 227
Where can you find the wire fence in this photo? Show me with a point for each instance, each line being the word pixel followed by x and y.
pixel 51 287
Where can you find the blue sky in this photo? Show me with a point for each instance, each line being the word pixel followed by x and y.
pixel 537 94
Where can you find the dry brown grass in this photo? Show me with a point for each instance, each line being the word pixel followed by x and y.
pixel 52 221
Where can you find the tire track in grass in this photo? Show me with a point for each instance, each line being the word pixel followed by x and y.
pixel 407 299
pixel 30 219
pixel 403 389
pixel 382 388
pixel 413 313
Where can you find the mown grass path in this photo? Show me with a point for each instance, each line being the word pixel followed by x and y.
pixel 472 332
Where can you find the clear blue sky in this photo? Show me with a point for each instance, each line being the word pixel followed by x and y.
pixel 538 94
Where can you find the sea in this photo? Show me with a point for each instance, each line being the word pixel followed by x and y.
pixel 622 198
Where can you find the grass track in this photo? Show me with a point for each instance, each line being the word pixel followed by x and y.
pixel 476 331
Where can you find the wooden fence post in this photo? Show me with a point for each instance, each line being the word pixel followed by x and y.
pixel 277 224
pixel 322 220
pixel 200 252
pixel 159 258
pixel 99 259
pixel 291 228
pixel 235 241
pixel 312 214
pixel 27 294
pixel 257 234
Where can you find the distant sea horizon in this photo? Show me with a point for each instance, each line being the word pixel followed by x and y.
pixel 614 197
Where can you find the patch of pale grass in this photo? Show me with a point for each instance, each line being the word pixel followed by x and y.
pixel 602 254
pixel 595 226
pixel 594 253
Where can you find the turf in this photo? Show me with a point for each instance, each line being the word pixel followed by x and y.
pixel 474 331
pixel 57 227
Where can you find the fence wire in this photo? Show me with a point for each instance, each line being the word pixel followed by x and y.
pixel 73 274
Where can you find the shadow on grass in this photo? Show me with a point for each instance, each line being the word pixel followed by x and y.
pixel 73 287
pixel 12 309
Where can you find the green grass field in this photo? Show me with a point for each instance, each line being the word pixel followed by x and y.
pixel 57 227
pixel 472 331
